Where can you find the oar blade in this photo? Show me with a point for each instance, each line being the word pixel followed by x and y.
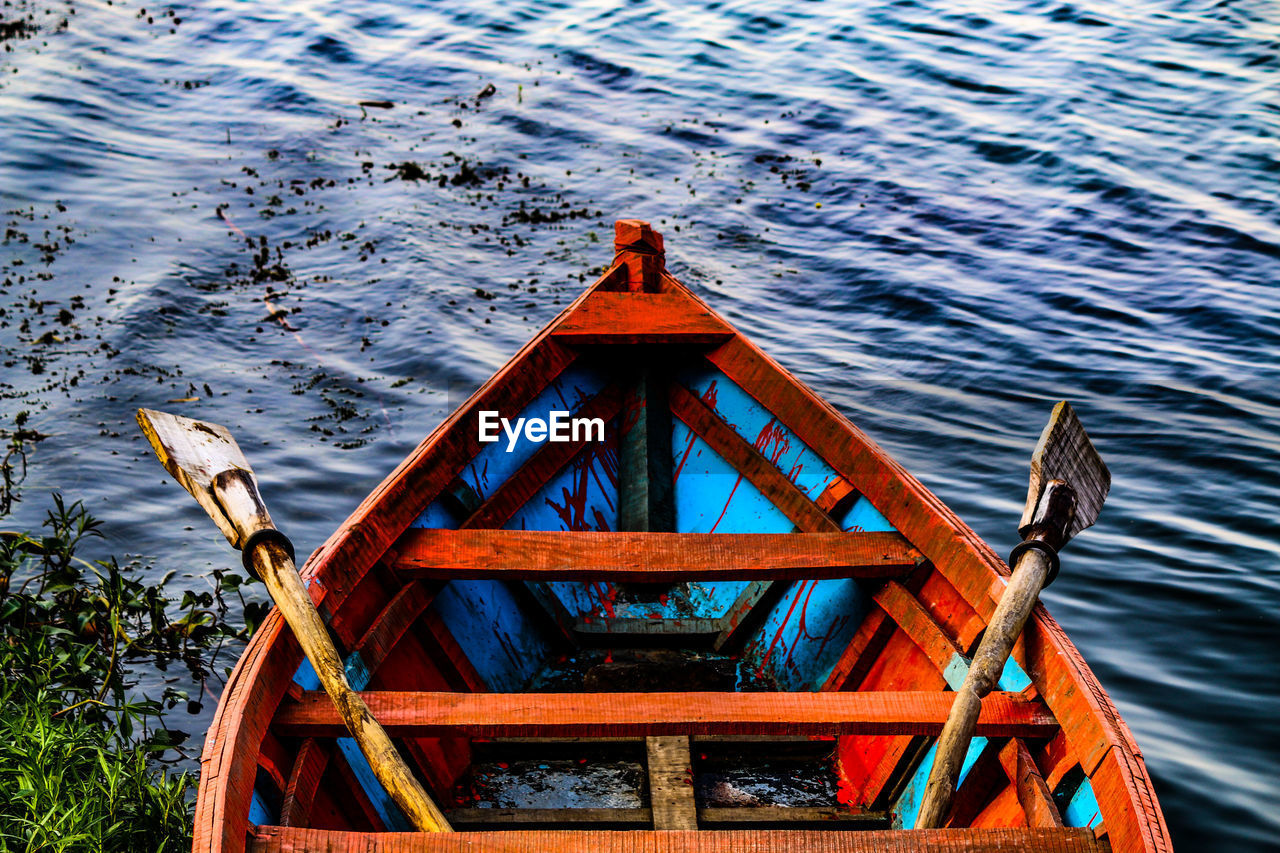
pixel 1066 453
pixel 195 452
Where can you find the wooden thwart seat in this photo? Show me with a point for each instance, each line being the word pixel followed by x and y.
pixel 651 557
pixel 414 714
pixel 275 839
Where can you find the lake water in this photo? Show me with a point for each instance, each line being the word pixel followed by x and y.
pixel 943 217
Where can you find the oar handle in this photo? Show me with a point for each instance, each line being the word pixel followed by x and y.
pixel 272 564
pixel 268 559
pixel 1030 571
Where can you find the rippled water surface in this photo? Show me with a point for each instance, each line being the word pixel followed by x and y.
pixel 943 217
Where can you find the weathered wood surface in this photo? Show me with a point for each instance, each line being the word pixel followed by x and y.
pixel 643 818
pixel 988 663
pixel 905 609
pixel 717 818
pixel 195 452
pixel 652 714
pixel 637 818
pixel 1033 793
pixel 1064 452
pixel 272 839
pixel 641 318
pixel 651 557
pixel 670 767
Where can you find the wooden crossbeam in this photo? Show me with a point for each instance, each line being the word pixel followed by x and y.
pixel 277 839
pixel 748 461
pixel 1033 793
pixel 670 768
pixel 641 318
pixel 904 608
pixel 651 557
pixel 653 714
pixel 716 818
pixel 400 612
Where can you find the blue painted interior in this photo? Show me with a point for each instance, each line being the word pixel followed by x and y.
pixel 805 632
pixel 1082 809
pixel 503 644
pixel 907 809
pixel 259 813
pixel 862 516
pixel 758 426
pixel 495 463
pixel 581 496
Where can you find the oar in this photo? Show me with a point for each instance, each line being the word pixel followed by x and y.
pixel 1069 483
pixel 204 458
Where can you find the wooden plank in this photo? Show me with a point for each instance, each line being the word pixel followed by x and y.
pixel 473 819
pixel 671 782
pixel 645 483
pixel 641 318
pixel 906 610
pixel 304 780
pixel 275 839
pixel 544 464
pixel 1033 794
pixel 716 818
pixel 837 497
pixel 854 661
pixel 692 631
pixel 639 818
pixel 749 462
pixel 1120 779
pixel 651 557
pixel 652 714
pixel 401 611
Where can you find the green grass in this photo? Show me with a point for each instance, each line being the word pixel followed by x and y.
pixel 85 764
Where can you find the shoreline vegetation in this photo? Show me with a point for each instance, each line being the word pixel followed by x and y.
pixel 88 762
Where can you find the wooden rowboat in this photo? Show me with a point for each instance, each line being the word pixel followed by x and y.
pixel 717 617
